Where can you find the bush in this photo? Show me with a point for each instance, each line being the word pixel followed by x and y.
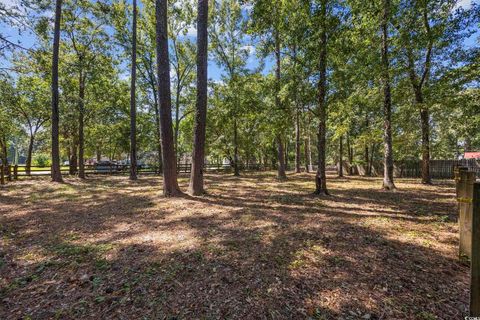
pixel 41 160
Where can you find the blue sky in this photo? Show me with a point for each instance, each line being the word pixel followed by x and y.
pixel 27 39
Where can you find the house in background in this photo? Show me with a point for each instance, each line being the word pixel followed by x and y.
pixel 471 155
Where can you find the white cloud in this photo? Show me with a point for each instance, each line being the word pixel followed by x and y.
pixel 192 31
pixel 465 4
pixel 9 3
pixel 249 49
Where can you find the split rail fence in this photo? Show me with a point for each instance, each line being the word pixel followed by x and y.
pixel 14 172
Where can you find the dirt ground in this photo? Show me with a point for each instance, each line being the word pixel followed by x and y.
pixel 253 248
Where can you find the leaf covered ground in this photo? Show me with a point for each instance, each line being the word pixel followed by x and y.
pixel 253 248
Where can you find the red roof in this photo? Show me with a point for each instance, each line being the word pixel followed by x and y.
pixel 472 155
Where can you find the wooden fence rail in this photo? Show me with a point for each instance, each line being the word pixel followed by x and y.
pixel 113 169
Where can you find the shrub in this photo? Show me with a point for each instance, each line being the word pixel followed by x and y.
pixel 41 160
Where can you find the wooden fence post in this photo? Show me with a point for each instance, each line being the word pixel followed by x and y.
pixel 15 172
pixel 465 180
pixel 2 174
pixel 475 259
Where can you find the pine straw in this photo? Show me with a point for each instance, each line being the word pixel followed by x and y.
pixel 253 248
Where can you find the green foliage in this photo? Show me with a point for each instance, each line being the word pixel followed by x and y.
pixel 41 160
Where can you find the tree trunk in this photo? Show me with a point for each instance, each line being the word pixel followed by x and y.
pixel 177 122
pixel 236 169
pixel 281 175
pixel 158 132
pixel 4 151
pixel 81 124
pixel 367 163
pixel 198 156
pixel 320 178
pixel 307 165
pixel 297 142
pixel 372 155
pixel 133 107
pixel 286 154
pixel 56 173
pixel 388 183
pixel 28 163
pixel 170 184
pixel 350 156
pixel 425 120
pixel 340 169
pixel 73 159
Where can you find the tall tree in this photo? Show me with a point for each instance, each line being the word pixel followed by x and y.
pixel 269 20
pixel 320 177
pixel 133 107
pixel 31 104
pixel 388 183
pixel 280 146
pixel 230 52
pixel 418 85
pixel 56 173
pixel 170 183
pixel 88 46
pixel 198 156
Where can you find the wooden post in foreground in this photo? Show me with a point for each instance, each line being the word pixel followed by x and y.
pixel 15 172
pixel 475 257
pixel 2 174
pixel 464 198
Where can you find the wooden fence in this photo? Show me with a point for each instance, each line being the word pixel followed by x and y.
pixel 9 173
pixel 439 169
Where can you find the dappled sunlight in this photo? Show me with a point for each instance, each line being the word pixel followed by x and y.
pixel 252 245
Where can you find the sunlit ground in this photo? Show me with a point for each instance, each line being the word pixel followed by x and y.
pixel 253 248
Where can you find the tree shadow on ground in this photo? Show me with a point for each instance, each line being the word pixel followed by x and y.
pixel 110 249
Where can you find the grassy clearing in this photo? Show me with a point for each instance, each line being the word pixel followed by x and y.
pixel 252 248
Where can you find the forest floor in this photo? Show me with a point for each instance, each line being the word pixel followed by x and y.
pixel 253 248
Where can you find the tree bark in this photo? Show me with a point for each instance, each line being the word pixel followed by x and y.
pixel 133 106
pixel 340 169
pixel 297 142
pixel 176 128
pixel 158 132
pixel 388 183
pixel 425 120
pixel 170 184
pixel 56 173
pixel 372 155
pixel 286 153
pixel 307 165
pixel 198 157
pixel 28 163
pixel 236 169
pixel 281 175
pixel 320 177
pixel 73 159
pixel 350 156
pixel 81 125
pixel 367 163
pixel 4 151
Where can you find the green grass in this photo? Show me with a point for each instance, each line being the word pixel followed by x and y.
pixel 35 168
